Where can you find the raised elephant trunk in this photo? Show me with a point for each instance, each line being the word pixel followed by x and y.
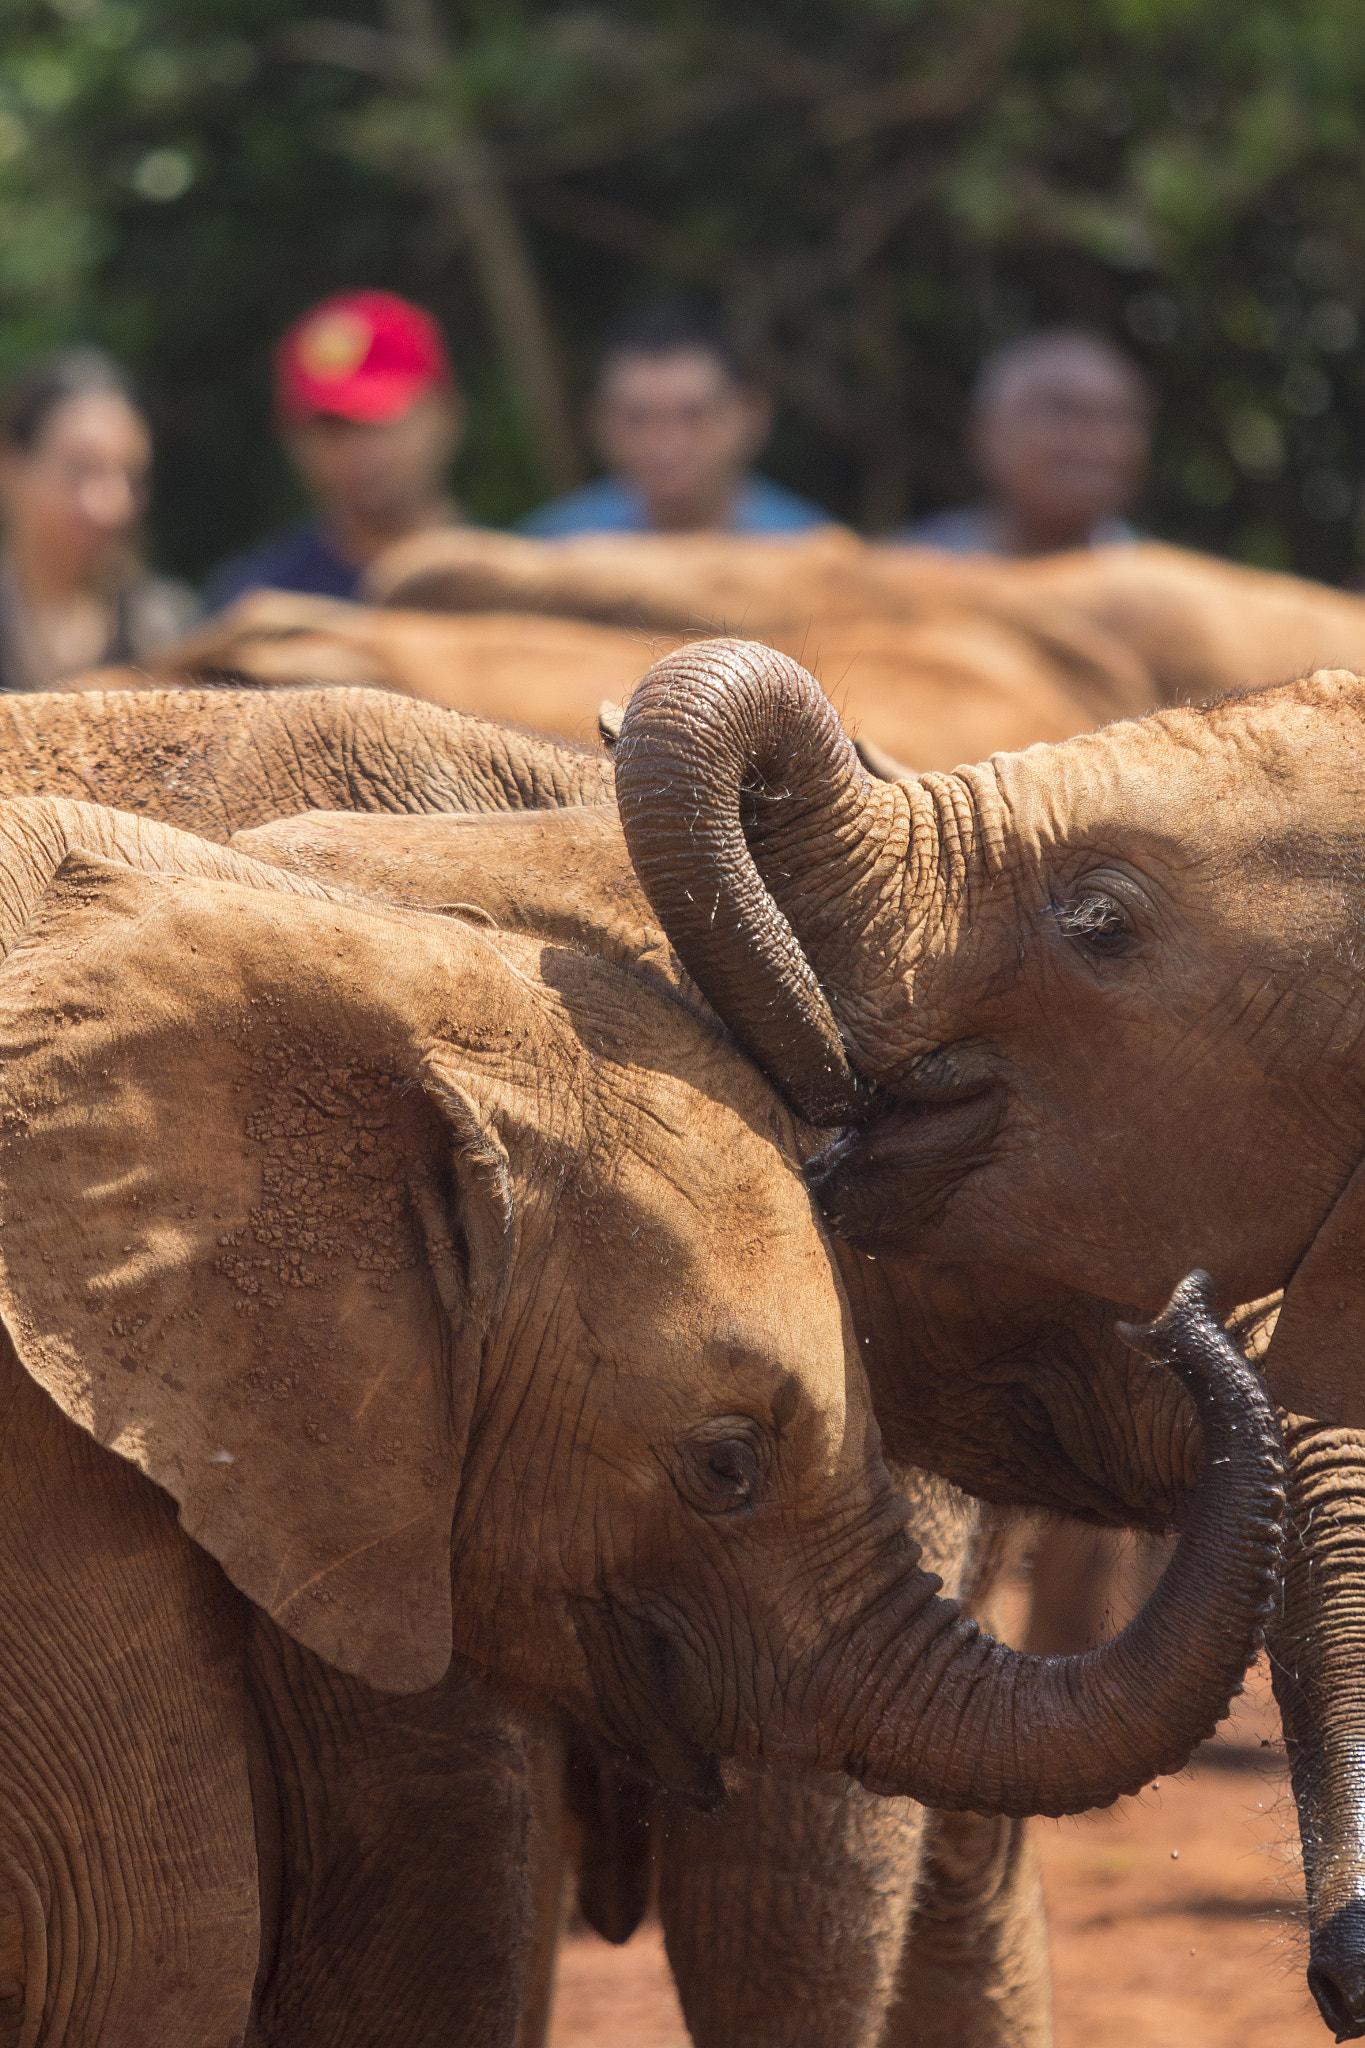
pixel 1317 1662
pixel 958 1721
pixel 712 732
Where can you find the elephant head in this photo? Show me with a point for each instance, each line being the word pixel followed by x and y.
pixel 467 1293
pixel 1090 1011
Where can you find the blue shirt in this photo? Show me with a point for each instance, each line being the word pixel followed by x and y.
pixel 610 506
pixel 301 558
pixel 980 530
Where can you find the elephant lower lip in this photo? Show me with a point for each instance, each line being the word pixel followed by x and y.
pixel 638 1713
pixel 896 1174
pixel 905 1130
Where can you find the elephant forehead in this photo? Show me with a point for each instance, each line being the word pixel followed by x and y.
pixel 1160 777
pixel 1221 779
pixel 714 1242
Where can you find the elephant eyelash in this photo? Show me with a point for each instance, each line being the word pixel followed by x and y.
pixel 1097 921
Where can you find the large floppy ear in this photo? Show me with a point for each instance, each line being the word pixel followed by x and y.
pixel 253 1228
pixel 1315 1363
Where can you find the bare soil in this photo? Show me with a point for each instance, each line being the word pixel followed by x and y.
pixel 1176 1920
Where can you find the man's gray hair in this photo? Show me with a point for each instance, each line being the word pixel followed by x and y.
pixel 1006 369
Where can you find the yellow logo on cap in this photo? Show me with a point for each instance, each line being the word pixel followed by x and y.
pixel 335 344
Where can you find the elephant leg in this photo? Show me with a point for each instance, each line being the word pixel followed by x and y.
pixel 975 1973
pixel 1075 1570
pixel 129 1904
pixel 785 1913
pixel 414 1859
pixel 1087 1583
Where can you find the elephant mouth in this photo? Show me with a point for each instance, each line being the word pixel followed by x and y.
pixel 635 1666
pixel 886 1185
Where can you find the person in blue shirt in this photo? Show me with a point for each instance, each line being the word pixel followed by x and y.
pixel 677 422
pixel 371 417
pixel 1059 429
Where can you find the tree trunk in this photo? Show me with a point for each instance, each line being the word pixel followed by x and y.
pixel 463 178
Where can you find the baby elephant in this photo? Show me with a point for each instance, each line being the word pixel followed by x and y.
pixel 463 1293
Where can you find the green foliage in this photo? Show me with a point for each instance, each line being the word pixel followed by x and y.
pixel 876 190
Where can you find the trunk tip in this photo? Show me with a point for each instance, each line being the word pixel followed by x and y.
pixel 1188 1315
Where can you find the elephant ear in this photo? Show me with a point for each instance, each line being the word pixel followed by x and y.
pixel 252 1231
pixel 1315 1363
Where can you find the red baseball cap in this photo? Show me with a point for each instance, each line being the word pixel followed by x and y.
pixel 366 356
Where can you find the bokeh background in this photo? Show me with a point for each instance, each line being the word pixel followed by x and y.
pixel 874 191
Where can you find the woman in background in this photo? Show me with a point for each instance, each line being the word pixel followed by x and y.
pixel 75 462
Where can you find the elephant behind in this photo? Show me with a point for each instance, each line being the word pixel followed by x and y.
pixel 213 761
pixel 935 659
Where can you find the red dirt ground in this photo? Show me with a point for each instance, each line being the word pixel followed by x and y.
pixel 1203 1951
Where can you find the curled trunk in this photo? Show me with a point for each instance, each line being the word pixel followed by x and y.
pixel 708 733
pixel 958 1721
pixel 736 782
pixel 1318 1666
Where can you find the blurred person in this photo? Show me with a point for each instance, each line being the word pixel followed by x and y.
pixel 677 421
pixel 75 465
pixel 371 418
pixel 1059 430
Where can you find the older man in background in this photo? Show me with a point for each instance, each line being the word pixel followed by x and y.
pixel 370 416
pixel 677 419
pixel 1059 431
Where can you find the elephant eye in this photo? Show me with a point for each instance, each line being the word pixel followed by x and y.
pixel 720 1473
pixel 1098 922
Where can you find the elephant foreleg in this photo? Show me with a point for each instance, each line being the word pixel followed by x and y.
pixel 975 1972
pixel 788 1914
pixel 785 1914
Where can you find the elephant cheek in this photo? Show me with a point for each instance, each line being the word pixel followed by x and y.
pixel 648 1701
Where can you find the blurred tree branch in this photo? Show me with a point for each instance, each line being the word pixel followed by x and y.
pixel 451 162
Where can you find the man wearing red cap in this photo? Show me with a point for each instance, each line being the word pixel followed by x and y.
pixel 370 415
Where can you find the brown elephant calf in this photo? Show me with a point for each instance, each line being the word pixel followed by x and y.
pixel 1087 1011
pixel 788 1915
